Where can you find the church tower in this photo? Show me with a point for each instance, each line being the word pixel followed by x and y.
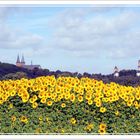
pixel 116 72
pixel 22 61
pixel 18 64
pixel 138 71
pixel 23 65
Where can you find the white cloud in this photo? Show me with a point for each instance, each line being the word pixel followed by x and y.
pixel 16 37
pixel 88 33
pixel 84 32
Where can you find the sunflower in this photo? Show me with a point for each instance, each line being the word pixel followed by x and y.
pixel 34 98
pixel 13 93
pixel 48 95
pixel 90 102
pixel 20 93
pixel 43 100
pixel 73 121
pixel 24 119
pixel 98 104
pixel 102 126
pixel 138 96
pixel 102 109
pixel 117 113
pixel 49 103
pixel 24 100
pixel 41 94
pixel 40 118
pixel 129 103
pixel 62 131
pixel 88 96
pixel 10 106
pixel 102 131
pixel 13 118
pixel 63 105
pixel 126 98
pixel 89 127
pixel 131 98
pixel 67 96
pixel 35 105
pixel 31 100
pixel 72 97
pixel 1 101
pixel 80 98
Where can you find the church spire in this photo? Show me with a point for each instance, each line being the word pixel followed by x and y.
pixel 31 62
pixel 116 71
pixel 138 64
pixel 18 60
pixel 138 71
pixel 22 60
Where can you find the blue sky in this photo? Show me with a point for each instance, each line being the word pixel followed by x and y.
pixel 78 39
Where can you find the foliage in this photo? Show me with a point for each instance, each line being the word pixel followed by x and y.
pixel 127 77
pixel 6 68
pixel 68 105
pixel 15 76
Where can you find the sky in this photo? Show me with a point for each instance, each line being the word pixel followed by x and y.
pixel 91 38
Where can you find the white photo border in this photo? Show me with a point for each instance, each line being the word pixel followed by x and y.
pixel 53 3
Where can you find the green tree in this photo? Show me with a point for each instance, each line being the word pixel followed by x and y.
pixel 14 76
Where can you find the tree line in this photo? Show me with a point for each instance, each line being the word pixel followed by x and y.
pixel 10 71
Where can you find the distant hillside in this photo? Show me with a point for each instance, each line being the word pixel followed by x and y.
pixel 10 71
pixel 6 68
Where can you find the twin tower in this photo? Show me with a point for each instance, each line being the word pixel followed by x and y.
pixel 23 65
pixel 116 70
pixel 20 63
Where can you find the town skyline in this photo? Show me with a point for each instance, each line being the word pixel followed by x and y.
pixel 20 62
pixel 83 39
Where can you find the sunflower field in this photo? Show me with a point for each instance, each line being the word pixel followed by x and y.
pixel 68 105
